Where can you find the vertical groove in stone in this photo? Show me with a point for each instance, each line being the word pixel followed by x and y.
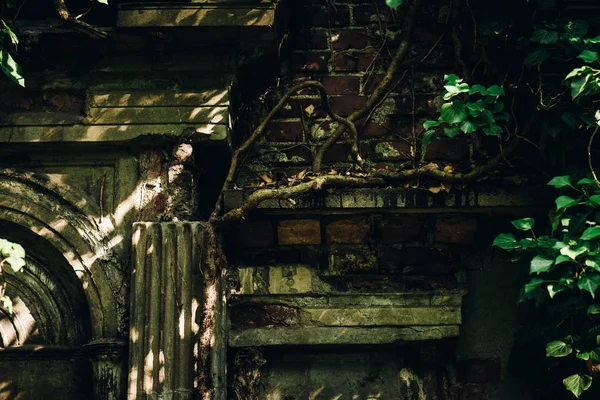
pixel 164 288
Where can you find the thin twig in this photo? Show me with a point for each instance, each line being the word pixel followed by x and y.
pixel 589 154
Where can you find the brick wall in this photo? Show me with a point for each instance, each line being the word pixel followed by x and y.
pixel 347 47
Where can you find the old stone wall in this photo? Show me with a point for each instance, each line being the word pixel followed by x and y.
pixel 115 149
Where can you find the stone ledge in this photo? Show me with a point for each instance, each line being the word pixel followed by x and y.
pixel 257 14
pixel 338 336
pixel 111 133
pixel 392 198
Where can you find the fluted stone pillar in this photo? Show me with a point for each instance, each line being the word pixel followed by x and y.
pixel 166 306
pixel 108 357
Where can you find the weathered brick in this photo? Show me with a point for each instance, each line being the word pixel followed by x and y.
pixel 456 230
pixel 313 62
pixel 255 316
pixel 285 131
pixel 350 231
pixel 371 82
pixel 349 39
pixel 299 231
pixel 341 84
pixel 424 104
pixel 312 40
pixel 351 259
pixel 447 149
pixel 479 371
pixel 466 392
pixel 354 61
pixel 327 15
pixel 254 233
pixel 367 14
pixel 390 150
pixel 403 229
pixel 346 105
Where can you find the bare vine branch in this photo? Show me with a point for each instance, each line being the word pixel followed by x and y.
pixel 589 154
pixel 82 26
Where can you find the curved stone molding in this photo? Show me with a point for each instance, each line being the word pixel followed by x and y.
pixel 165 298
pixel 52 215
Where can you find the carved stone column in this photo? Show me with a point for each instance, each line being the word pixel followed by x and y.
pixel 166 306
pixel 110 363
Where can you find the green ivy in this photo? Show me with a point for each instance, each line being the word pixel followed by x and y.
pixel 469 109
pixel 12 255
pixel 564 274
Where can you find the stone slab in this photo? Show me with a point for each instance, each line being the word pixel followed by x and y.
pixel 157 115
pixel 385 316
pixel 338 336
pixel 153 98
pixel 135 15
pixel 110 133
pixel 395 198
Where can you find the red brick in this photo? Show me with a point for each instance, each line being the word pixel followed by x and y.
pixel 285 131
pixel 466 392
pixel 455 230
pixel 479 371
pixel 349 39
pixel 313 39
pixel 447 149
pixel 403 229
pixel 370 82
pixel 314 62
pixel 346 105
pixel 424 104
pixel 327 15
pixel 390 150
pixel 254 233
pixel 342 84
pixel 299 231
pixel 350 231
pixel 337 153
pixel 372 14
pixel 354 61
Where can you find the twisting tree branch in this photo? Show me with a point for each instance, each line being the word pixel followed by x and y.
pixel 82 26
pixel 380 91
pixel 317 183
pixel 261 129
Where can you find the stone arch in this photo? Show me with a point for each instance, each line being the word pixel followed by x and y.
pixel 67 229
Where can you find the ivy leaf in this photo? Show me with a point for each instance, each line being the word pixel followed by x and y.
pixel 488 117
pixel 7 304
pixel 589 56
pixel 561 259
pixel 554 288
pixel 573 253
pixel 524 224
pixel 558 348
pixel 11 68
pixel 564 202
pixel 587 181
pixel 529 288
pixel 455 90
pixel 478 105
pixel 16 263
pixel 432 124
pixel 506 241
pixel 477 89
pixel 595 199
pixel 544 36
pixel 540 264
pixel 592 40
pixel 577 384
pixel 578 28
pixel 570 119
pixel 536 57
pixel 494 90
pixel 593 263
pixel 579 84
pixel 560 181
pixel 545 4
pixel 591 233
pixel 494 130
pixel 594 309
pixel 106 1
pixel 589 283
pixel 454 113
pixel 13 38
pixel 452 131
pixel 468 126
pixel 429 137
